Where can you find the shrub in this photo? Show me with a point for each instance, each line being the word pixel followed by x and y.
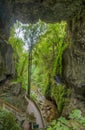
pixel 58 94
pixel 7 121
pixel 76 122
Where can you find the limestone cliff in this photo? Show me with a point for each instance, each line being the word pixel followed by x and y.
pixel 74 67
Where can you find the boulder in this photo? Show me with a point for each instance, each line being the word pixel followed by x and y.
pixel 16 89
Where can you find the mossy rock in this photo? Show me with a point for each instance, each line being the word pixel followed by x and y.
pixel 8 121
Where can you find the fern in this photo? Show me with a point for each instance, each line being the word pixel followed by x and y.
pixel 76 122
pixel 58 94
pixel 8 121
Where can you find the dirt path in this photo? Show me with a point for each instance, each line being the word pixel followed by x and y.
pixel 32 108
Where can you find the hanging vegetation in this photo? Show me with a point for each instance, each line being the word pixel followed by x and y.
pixel 45 44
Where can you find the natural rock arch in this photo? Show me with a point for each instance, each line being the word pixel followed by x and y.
pixel 32 10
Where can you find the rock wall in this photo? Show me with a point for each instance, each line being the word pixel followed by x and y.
pixel 32 10
pixel 74 67
pixel 7 69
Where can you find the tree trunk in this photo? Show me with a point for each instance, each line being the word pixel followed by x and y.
pixel 29 72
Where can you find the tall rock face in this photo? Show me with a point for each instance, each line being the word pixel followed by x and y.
pixel 51 11
pixel 74 67
pixel 6 61
pixel 74 64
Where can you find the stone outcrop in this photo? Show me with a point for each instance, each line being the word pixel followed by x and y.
pixel 6 61
pixel 51 11
pixel 13 94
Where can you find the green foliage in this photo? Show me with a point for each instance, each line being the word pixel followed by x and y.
pixel 47 55
pixel 7 121
pixel 76 122
pixel 51 47
pixel 77 115
pixel 46 44
pixel 58 93
pixel 20 56
pixel 61 124
pixel 24 36
pixel 57 37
